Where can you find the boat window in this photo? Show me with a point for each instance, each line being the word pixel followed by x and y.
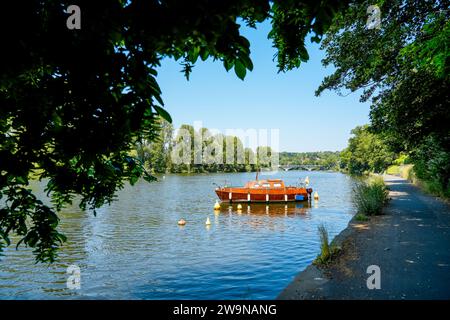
pixel 277 185
pixel 256 186
pixel 266 185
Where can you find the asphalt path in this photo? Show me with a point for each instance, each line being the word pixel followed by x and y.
pixel 410 244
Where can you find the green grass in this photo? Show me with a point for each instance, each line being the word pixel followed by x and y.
pixel 393 170
pixel 370 196
pixel 361 217
pixel 324 243
pixel 327 251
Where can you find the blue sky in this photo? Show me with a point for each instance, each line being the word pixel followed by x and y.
pixel 265 99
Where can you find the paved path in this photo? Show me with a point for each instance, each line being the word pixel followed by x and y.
pixel 410 244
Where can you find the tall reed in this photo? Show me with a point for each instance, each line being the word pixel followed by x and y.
pixel 324 244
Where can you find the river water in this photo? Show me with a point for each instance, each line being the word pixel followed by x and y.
pixel 134 248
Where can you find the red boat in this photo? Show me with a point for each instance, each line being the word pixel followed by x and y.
pixel 270 190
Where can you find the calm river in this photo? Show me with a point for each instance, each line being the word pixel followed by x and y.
pixel 134 248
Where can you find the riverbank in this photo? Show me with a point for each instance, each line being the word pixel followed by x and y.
pixel 410 243
pixel 135 249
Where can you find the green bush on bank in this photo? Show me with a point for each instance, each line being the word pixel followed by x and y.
pixel 369 196
pixel 327 251
pixel 432 166
pixel 361 217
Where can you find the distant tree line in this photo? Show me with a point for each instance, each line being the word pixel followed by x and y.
pixel 366 152
pixel 158 155
pixel 322 160
pixel 214 152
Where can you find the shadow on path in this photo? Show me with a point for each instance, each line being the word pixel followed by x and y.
pixel 410 244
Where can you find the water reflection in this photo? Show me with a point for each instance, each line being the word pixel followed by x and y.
pixel 290 208
pixel 134 249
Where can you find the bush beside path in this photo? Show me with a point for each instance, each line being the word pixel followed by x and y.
pixel 410 243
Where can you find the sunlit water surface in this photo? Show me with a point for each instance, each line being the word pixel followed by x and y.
pixel 134 248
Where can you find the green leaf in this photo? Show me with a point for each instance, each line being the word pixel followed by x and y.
pixel 228 64
pixel 304 56
pixel 149 178
pixel 5 238
pixel 21 180
pixel 247 62
pixel 204 53
pixel 159 99
pixel 163 113
pixel 193 54
pixel 32 238
pixel 133 179
pixel 315 39
pixel 240 69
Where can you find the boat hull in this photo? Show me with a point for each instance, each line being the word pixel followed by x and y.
pixel 263 195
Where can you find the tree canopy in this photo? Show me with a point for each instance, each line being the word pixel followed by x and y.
pixel 402 67
pixel 366 152
pixel 75 102
pixel 199 151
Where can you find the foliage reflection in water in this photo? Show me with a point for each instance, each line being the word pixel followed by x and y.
pixel 134 249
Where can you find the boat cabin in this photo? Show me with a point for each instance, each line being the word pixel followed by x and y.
pixel 265 184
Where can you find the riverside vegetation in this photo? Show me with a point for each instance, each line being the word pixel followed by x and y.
pixel 369 196
pixel 74 109
pixel 404 72
pixel 156 155
pixel 327 250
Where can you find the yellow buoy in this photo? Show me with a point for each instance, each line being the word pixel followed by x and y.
pixel 181 222
pixel 239 206
pixel 217 205
pixel 208 222
pixel 316 195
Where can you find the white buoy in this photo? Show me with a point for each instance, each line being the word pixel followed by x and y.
pixel 307 180
pixel 181 222
pixel 316 195
pixel 217 205
pixel 208 222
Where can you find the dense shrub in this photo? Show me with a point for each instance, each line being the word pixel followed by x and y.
pixel 432 166
pixel 370 196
